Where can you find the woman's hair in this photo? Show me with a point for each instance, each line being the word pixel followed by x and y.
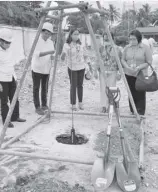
pixel 112 35
pixel 137 34
pixel 69 38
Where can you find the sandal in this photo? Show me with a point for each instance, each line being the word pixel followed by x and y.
pixel 104 110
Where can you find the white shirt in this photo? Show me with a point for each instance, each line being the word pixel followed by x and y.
pixel 74 56
pixel 42 64
pixel 6 65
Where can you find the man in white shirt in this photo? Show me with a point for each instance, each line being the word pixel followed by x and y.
pixel 7 77
pixel 41 66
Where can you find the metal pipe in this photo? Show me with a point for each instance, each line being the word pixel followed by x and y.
pixel 61 7
pixel 28 62
pixel 44 156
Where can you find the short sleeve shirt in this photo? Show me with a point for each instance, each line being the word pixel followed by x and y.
pixel 135 57
pixel 6 65
pixel 42 64
pixel 74 56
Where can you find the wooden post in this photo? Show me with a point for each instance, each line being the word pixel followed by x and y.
pixel 90 114
pixel 61 7
pixel 95 45
pixel 119 63
pixel 55 62
pixel 28 62
pixel 53 17
pixel 13 140
pixel 44 156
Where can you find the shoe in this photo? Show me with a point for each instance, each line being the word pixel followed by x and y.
pixel 44 108
pixel 81 106
pixel 20 120
pixel 10 125
pixel 74 108
pixel 39 111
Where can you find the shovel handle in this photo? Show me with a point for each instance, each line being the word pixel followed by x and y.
pixel 141 149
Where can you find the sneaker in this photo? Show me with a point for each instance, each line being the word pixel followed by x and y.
pixel 44 108
pixel 81 106
pixel 39 111
pixel 74 108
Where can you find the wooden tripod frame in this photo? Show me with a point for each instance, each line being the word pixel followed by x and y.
pixel 83 7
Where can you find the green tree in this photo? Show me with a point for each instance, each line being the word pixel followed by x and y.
pixel 19 13
pixel 113 14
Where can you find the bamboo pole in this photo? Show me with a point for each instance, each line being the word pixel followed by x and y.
pixel 95 45
pixel 88 10
pixel 61 7
pixel 53 17
pixel 28 62
pixel 119 63
pixel 141 149
pixel 55 62
pixel 94 10
pixel 44 156
pixel 73 13
pixel 13 140
pixel 90 114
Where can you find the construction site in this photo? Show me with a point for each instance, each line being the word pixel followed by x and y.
pixel 82 151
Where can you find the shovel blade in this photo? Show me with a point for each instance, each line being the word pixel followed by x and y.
pixel 133 172
pixel 102 178
pixel 127 181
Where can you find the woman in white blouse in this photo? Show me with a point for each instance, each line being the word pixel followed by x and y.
pixel 73 54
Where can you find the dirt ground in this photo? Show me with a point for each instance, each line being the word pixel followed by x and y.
pixel 49 176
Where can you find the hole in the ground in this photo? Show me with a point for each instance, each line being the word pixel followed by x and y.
pixel 66 139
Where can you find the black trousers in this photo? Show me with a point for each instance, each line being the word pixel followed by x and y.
pixel 139 97
pixel 40 80
pixel 8 93
pixel 76 82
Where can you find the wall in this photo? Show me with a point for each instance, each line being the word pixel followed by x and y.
pixel 23 39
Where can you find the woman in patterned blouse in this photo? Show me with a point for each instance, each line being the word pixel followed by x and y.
pixel 73 52
pixel 110 69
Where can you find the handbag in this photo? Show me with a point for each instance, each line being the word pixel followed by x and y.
pixel 146 83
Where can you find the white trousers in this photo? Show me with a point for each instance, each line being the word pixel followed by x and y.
pixel 110 81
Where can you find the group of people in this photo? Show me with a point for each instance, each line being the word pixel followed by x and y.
pixel 134 57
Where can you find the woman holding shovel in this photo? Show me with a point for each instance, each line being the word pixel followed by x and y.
pixel 110 69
